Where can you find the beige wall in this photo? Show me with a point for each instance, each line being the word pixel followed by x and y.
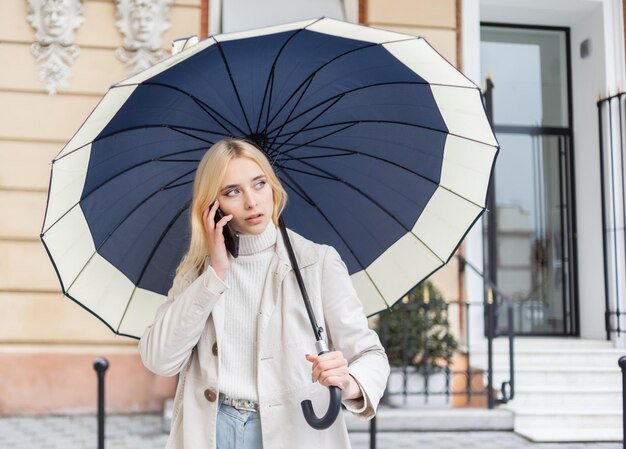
pixel 436 21
pixel 47 342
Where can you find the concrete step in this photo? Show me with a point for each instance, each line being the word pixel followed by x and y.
pixel 567 434
pixel 542 417
pixel 565 389
pixel 553 358
pixel 433 419
pixel 501 343
pixel 559 377
pixel 568 396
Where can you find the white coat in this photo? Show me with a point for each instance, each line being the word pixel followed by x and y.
pixel 186 334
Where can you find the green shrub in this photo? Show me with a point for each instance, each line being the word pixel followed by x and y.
pixel 416 330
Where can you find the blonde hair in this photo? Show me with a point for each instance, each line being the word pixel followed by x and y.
pixel 206 186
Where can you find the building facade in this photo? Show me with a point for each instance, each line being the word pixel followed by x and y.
pixel 541 242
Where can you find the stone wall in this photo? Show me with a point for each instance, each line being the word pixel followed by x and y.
pixel 47 342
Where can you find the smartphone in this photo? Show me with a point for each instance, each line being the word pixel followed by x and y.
pixel 231 238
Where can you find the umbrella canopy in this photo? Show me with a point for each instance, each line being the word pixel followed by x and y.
pixel 383 147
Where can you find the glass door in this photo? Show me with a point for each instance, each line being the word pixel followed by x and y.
pixel 529 228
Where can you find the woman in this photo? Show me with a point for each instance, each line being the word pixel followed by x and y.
pixel 237 331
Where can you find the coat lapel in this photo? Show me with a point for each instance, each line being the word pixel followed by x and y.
pixel 217 314
pixel 280 267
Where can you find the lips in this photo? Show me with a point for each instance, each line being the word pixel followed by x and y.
pixel 254 217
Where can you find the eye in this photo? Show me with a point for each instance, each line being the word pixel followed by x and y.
pixel 259 185
pixel 232 192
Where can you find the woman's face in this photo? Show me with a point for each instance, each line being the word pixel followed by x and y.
pixel 246 195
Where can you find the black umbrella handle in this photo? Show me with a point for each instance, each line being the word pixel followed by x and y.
pixel 320 345
pixel 333 407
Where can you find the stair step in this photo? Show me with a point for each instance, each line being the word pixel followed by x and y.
pixel 568 396
pixel 605 358
pixel 568 434
pixel 537 342
pixel 542 417
pixel 565 389
pixel 556 378
pixel 433 419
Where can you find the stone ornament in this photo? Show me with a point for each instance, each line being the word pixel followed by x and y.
pixel 55 23
pixel 142 22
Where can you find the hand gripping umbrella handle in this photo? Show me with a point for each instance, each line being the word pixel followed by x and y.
pixel 320 345
pixel 333 407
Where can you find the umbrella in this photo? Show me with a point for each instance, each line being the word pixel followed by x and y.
pixel 383 147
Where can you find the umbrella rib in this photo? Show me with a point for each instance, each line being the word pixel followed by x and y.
pixel 368 86
pixel 303 158
pixel 386 161
pixel 309 79
pixel 296 188
pixel 311 141
pixel 356 122
pixel 269 85
pixel 152 253
pixel 309 122
pixel 300 145
pixel 126 170
pixel 180 131
pixel 115 229
pixel 349 152
pixel 330 223
pixel 327 63
pixel 290 112
pixel 176 128
pixel 205 107
pixel 174 186
pixel 297 170
pixel 112 178
pixel 333 177
pixel 232 81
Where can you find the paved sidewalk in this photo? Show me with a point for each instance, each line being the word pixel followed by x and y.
pixel 143 431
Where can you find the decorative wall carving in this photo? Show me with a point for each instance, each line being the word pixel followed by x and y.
pixel 142 22
pixel 55 23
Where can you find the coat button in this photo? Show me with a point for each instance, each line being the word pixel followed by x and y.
pixel 210 394
pixel 214 349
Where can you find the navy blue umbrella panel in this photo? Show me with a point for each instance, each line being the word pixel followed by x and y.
pixel 381 144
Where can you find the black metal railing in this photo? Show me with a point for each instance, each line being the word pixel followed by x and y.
pixel 622 364
pixel 424 353
pixel 611 116
pixel 417 339
pixel 495 301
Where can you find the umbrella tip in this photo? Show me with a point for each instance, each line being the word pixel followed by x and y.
pixel 259 139
pixel 179 45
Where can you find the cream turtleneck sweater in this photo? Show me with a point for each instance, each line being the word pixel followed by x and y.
pixel 246 280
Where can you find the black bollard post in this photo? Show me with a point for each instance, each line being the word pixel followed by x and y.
pixel 373 433
pixel 622 365
pixel 101 365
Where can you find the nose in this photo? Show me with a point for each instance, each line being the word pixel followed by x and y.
pixel 250 201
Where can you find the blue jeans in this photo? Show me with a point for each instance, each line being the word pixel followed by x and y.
pixel 238 430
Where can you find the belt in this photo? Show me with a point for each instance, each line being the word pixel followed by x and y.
pixel 240 404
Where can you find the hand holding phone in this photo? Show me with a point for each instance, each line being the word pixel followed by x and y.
pixel 231 238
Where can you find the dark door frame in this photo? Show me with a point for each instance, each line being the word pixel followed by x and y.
pixel 573 320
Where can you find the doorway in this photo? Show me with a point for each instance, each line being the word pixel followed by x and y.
pixel 530 228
